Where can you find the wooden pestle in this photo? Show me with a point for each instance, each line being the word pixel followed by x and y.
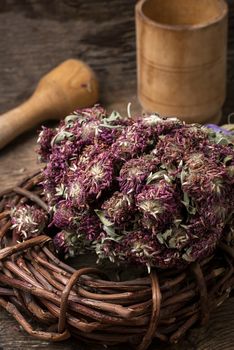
pixel 70 85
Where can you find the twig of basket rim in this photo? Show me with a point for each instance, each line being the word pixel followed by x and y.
pixel 116 285
pixel 187 310
pixel 81 309
pixel 21 273
pixel 228 249
pixel 74 321
pixel 65 294
pixel 179 297
pixel 6 291
pixel 27 182
pixel 60 263
pixel 47 264
pixel 44 277
pixel 17 293
pixel 8 251
pixel 202 288
pixel 41 315
pixel 4 214
pixel 21 307
pixel 193 286
pixel 21 263
pixel 172 282
pixel 29 302
pixel 27 327
pixel 178 334
pixel 4 229
pixel 226 276
pixel 125 296
pixel 118 297
pixel 107 318
pixel 39 292
pixel 33 197
pixel 116 309
pixel 145 281
pixel 156 304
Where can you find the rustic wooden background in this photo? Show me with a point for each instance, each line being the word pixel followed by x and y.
pixel 36 35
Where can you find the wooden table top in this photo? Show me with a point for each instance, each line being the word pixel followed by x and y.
pixel 36 35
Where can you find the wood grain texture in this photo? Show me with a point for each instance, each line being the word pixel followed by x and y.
pixel 36 35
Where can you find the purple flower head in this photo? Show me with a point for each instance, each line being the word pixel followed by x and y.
pixel 175 237
pixel 28 221
pixel 158 204
pixel 95 112
pixel 88 154
pixel 203 178
pixel 64 215
pixel 200 249
pixel 134 172
pixel 106 248
pixel 133 141
pixel 70 243
pixel 60 243
pixel 98 175
pixel 90 129
pixel 76 191
pixel 119 208
pixel 140 247
pixel 175 146
pixel 90 226
pixel 161 126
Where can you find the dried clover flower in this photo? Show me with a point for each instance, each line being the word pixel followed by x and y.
pixel 133 141
pixel 180 142
pixel 152 191
pixel 158 203
pixel 119 208
pixel 70 243
pixel 134 172
pixel 76 192
pixel 28 221
pixel 144 249
pixel 63 215
pixel 176 237
pixel 98 175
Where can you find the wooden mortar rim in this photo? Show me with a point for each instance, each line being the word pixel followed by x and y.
pixel 180 27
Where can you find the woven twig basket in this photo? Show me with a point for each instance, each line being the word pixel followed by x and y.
pixel 86 304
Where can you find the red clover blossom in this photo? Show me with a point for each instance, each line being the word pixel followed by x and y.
pixel 152 191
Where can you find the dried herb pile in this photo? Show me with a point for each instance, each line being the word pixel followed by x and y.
pixel 148 190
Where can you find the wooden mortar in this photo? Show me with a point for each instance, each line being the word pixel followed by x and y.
pixel 181 58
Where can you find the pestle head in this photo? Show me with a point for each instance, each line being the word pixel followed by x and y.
pixel 71 85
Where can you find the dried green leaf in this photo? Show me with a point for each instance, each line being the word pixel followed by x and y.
pixel 103 219
pixel 62 135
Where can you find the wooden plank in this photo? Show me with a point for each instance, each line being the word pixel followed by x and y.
pixel 37 35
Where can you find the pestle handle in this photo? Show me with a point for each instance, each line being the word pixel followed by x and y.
pixel 70 85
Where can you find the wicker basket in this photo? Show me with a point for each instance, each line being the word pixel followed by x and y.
pixel 85 303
